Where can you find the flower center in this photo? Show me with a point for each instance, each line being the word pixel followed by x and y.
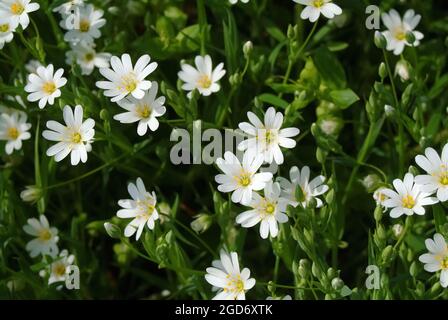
pixel 444 263
pixel 270 208
pixel 234 285
pixel 45 235
pixel 129 82
pixel 400 34
pixel 59 269
pixel 84 25
pixel 443 178
pixel 17 8
pixel 204 81
pixel 89 56
pixel 49 87
pixel 408 202
pixel 146 208
pixel 244 179
pixel 271 136
pixel 318 3
pixel 13 133
pixel 76 137
pixel 144 111
pixel 4 27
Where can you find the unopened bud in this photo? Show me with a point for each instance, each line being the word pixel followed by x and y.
pixel 380 40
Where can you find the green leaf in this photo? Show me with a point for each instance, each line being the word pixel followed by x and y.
pixel 273 100
pixel 343 98
pixel 330 68
pixel 439 217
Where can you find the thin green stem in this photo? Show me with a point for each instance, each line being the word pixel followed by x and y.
pixel 401 148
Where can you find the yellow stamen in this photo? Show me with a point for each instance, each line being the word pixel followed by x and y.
pixel 244 179
pixel 4 27
pixel 84 26
pixel 129 82
pixel 89 57
pixel 59 269
pixel 144 111
pixel 318 3
pixel 13 133
pixel 76 137
pixel 444 263
pixel 49 87
pixel 270 208
pixel 408 202
pixel 400 34
pixel 443 178
pixel 17 8
pixel 204 81
pixel 44 235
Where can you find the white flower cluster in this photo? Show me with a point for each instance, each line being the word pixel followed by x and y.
pixel 45 244
pixel 12 14
pixel 411 194
pixel 83 23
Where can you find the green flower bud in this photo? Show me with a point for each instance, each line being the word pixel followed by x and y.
pixel 337 283
pixel 31 194
pixel 410 37
pixel 382 71
pixel 112 230
pixel 247 49
pixel 380 40
pixel 201 223
pixel 378 213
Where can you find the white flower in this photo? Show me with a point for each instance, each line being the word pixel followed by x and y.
pixel 74 138
pixel 84 26
pixel 437 169
pixel 32 66
pixel 398 28
pixel 87 58
pixel 7 29
pixel 14 129
pixel 241 178
pixel 379 196
pixel 67 7
pixel 44 85
pixel 203 78
pixel 437 258
pixel 267 138
pixel 269 210
pixel 144 111
pixel 314 8
pixel 17 11
pixel 60 268
pixel 236 1
pixel 142 208
pixel 310 189
pixel 46 239
pixel 125 79
pixel 408 198
pixel 226 278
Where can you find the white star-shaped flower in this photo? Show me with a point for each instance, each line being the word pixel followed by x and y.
pixel 144 111
pixel 74 138
pixel 227 279
pixel 241 178
pixel 314 8
pixel 202 78
pixel 124 79
pixel 268 210
pixel 398 28
pixel 142 208
pixel 44 85
pixel 267 138
pixel 407 198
